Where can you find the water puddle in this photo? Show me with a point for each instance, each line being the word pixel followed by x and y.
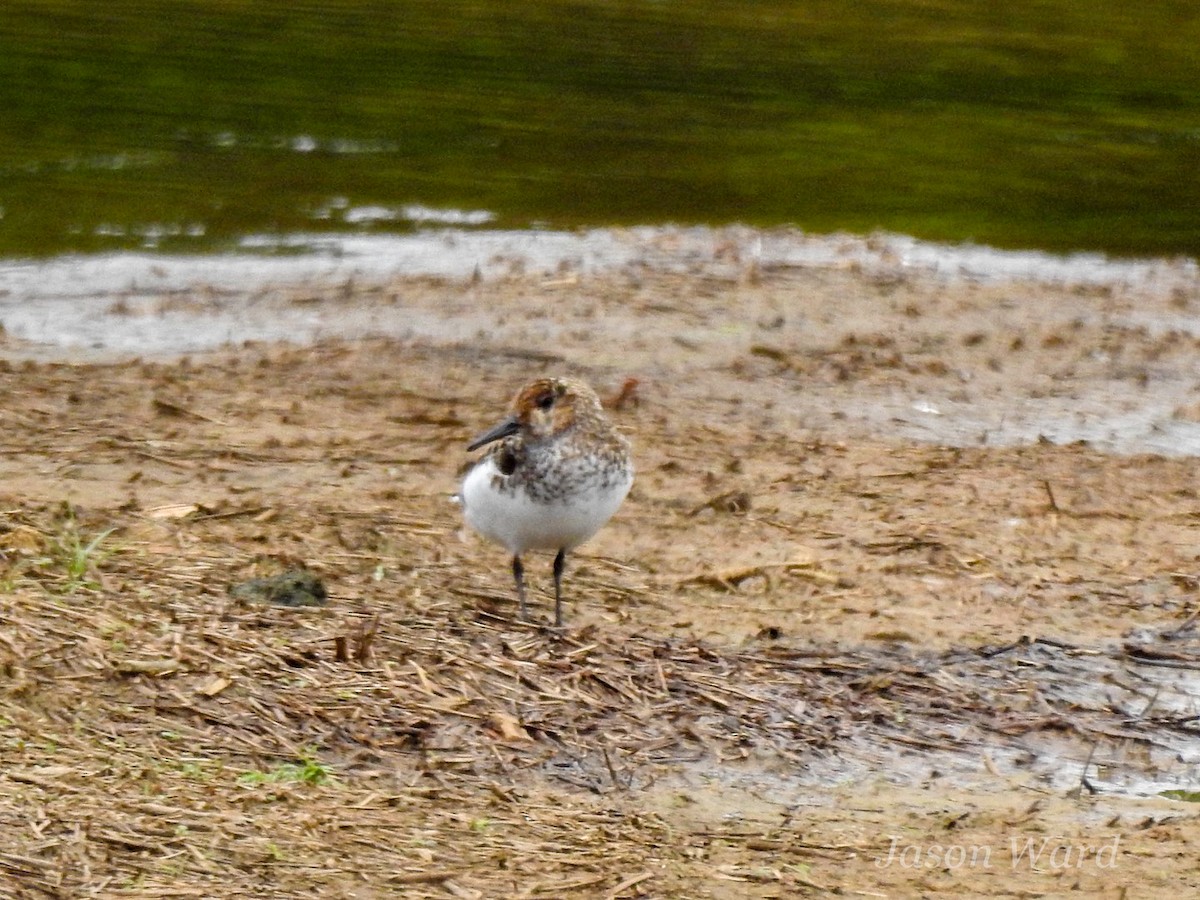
pixel 1119 721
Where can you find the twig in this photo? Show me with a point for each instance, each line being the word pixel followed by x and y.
pixel 171 408
pixel 627 884
pixel 423 877
pixel 1076 792
pixel 1050 495
pixel 1187 623
pixel 612 772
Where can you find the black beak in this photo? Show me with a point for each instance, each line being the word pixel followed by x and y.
pixel 503 430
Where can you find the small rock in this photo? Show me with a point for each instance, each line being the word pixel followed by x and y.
pixel 295 587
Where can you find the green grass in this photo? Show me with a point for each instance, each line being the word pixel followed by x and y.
pixel 307 770
pixel 72 558
pixel 1186 796
pixel 1054 123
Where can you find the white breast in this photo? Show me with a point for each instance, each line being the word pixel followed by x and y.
pixel 511 518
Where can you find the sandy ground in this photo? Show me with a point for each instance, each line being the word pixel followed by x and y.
pixel 858 628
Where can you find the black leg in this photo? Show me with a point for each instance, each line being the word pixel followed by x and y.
pixel 558 570
pixel 519 578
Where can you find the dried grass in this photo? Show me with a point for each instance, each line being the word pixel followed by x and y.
pixel 152 727
pixel 132 714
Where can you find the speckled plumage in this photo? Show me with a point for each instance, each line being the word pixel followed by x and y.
pixel 556 472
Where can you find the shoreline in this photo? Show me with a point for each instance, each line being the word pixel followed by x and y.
pixel 956 345
pixel 112 287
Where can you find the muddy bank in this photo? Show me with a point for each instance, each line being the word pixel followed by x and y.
pixel 953 345
pixel 854 610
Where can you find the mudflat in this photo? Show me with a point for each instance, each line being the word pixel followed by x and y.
pixel 903 601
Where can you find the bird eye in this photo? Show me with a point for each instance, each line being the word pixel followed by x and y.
pixel 545 401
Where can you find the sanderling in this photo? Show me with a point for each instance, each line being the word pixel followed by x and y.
pixel 558 471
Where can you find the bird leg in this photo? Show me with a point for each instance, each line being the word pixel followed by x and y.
pixel 518 571
pixel 558 573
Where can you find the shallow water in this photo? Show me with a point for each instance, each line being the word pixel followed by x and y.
pixel 188 126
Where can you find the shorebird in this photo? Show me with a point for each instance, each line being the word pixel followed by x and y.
pixel 557 470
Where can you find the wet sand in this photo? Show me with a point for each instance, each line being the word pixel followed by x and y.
pixel 909 566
